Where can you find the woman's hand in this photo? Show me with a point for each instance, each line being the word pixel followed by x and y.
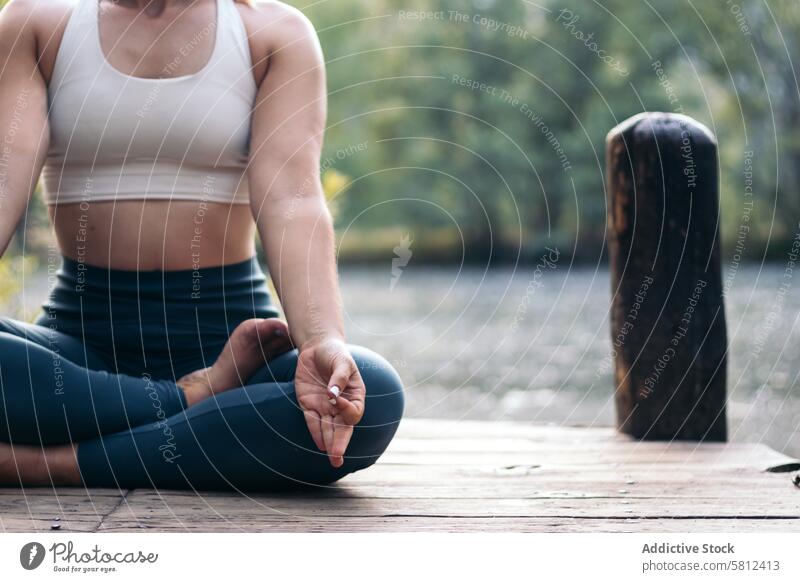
pixel 322 368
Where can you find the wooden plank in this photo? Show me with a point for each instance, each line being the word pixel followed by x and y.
pixel 522 445
pixel 145 506
pixel 740 494
pixel 383 473
pixel 730 485
pixel 462 525
pixel 38 509
pixel 447 476
pixel 479 429
pixel 569 444
pixel 668 459
pixel 746 456
pixel 31 524
pixel 61 492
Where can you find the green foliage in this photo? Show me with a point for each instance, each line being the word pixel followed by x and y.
pixel 13 271
pixel 487 162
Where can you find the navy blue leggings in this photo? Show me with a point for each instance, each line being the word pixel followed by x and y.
pixel 119 402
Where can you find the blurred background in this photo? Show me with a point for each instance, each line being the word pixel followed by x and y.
pixel 464 165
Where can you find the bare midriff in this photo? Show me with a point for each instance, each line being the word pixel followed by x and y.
pixel 154 235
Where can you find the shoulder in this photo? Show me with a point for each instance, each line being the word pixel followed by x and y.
pixel 278 32
pixel 18 17
pixel 18 31
pixel 278 17
pixel 273 25
pixel 33 20
pixel 33 14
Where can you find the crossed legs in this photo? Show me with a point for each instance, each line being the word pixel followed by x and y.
pixel 87 425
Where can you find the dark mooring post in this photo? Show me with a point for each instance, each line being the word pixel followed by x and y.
pixel 667 317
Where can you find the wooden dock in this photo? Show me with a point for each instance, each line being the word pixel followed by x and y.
pixel 469 477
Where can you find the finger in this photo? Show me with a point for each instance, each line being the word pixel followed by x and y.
pixel 342 432
pixel 333 393
pixel 342 372
pixel 327 431
pixel 314 424
pixel 352 406
pixel 350 411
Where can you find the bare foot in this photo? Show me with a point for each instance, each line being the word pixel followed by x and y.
pixel 253 343
pixel 30 465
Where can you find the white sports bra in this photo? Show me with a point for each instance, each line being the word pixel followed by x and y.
pixel 118 137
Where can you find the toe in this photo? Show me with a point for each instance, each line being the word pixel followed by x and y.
pixel 269 329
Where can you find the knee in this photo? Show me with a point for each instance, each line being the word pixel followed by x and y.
pixel 385 400
pixel 13 332
pixel 383 409
pixel 8 325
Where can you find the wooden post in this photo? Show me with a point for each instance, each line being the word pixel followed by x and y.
pixel 667 316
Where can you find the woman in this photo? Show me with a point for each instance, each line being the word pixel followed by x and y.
pixel 166 132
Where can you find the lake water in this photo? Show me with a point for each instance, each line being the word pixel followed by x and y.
pixel 533 345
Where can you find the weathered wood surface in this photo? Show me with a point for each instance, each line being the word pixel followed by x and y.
pixel 667 316
pixel 469 476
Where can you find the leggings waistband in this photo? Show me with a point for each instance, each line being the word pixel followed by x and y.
pixel 83 277
pixel 226 294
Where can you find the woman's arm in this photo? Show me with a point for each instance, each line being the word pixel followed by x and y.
pixel 297 232
pixel 24 133
pixel 285 191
